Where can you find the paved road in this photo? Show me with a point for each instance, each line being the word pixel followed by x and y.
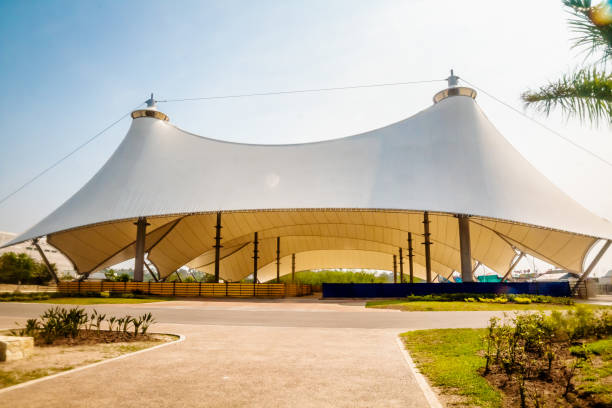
pixel 298 353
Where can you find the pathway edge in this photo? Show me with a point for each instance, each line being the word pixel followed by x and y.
pixel 429 393
pixel 85 367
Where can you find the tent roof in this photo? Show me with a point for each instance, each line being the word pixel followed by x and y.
pixel 447 159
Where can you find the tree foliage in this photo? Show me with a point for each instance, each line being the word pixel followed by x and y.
pixel 585 94
pixel 317 278
pixel 20 268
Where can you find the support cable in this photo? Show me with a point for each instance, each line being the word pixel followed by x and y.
pixel 79 147
pixel 554 132
pixel 298 91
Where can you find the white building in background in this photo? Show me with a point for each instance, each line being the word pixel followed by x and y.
pixel 63 264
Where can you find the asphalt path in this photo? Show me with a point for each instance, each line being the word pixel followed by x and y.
pixel 324 314
pixel 285 353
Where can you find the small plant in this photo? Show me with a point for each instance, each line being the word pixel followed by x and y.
pixel 58 322
pixel 146 320
pixel 111 323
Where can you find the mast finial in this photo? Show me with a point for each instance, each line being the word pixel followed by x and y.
pixel 150 102
pixel 453 80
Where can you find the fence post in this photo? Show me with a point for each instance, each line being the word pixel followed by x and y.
pixel 226 287
pixel 124 287
pixel 174 288
pixel 79 287
pixel 200 290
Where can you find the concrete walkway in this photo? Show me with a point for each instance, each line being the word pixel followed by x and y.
pixel 250 354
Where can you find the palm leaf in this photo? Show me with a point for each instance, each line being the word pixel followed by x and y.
pixel 593 39
pixel 585 94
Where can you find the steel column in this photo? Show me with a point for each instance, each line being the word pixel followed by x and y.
pixel 592 265
pixel 255 257
pixel 427 244
pixel 513 265
pixel 465 248
pixel 410 256
pixel 394 268
pixel 150 271
pixel 277 259
pixel 217 246
pixel 141 233
pixel 401 265
pixel 45 261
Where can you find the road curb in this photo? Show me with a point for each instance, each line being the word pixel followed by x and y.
pixel 85 367
pixel 429 393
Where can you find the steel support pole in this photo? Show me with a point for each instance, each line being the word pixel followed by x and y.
pixel 255 257
pixel 141 233
pixel 277 259
pixel 150 271
pixel 427 244
pixel 394 268
pixel 45 261
pixel 410 256
pixel 217 246
pixel 513 265
pixel 465 248
pixel 292 268
pixel 592 265
pixel 401 265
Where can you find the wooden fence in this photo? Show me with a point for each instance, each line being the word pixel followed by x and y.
pixel 237 290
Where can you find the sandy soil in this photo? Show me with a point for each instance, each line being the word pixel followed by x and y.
pixel 52 359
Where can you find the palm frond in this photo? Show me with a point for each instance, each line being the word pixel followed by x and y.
pixel 585 94
pixel 591 38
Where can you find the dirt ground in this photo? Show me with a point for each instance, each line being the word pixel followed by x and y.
pixel 52 359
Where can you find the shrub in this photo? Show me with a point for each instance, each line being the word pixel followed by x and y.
pixel 20 268
pixel 522 300
pixel 58 322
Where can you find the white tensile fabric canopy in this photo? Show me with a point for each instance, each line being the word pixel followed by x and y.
pixel 342 203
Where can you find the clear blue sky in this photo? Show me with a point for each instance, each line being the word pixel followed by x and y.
pixel 67 69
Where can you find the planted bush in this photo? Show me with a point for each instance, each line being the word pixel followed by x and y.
pixel 61 323
pixel 490 298
pixel 536 351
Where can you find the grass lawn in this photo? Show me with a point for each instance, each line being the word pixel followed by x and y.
pixel 596 371
pixel 97 300
pixel 449 359
pixel 420 306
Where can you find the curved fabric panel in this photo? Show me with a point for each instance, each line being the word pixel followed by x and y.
pixel 389 227
pixel 94 248
pixel 240 264
pixel 448 159
pixel 566 251
pixel 334 259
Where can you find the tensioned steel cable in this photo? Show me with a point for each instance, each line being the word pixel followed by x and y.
pixel 79 147
pixel 554 132
pixel 298 91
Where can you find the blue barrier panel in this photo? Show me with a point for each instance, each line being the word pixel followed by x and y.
pixel 394 290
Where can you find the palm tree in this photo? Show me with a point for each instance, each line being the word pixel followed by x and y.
pixel 587 92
